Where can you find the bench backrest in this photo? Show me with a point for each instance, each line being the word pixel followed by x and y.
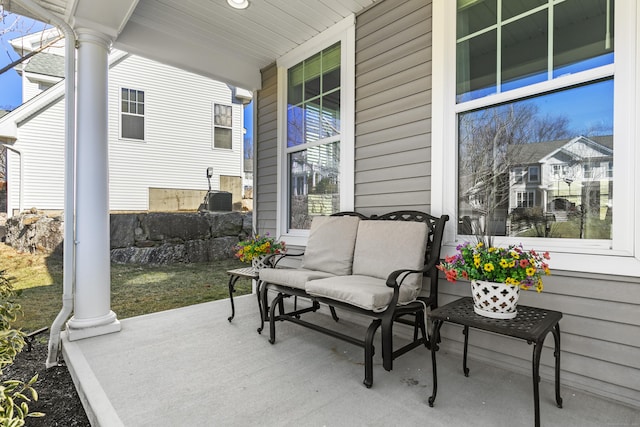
pixel 331 244
pixel 434 244
pixel 383 247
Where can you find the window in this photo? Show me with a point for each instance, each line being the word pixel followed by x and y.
pixel 316 135
pixel 526 199
pixel 609 140
pixel 222 126
pixel 503 47
pixel 132 114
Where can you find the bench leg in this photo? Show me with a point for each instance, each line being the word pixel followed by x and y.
pixel 369 352
pixel 435 334
pixel 387 343
pixel 333 313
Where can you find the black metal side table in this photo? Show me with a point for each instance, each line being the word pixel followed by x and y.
pixel 234 275
pixel 531 324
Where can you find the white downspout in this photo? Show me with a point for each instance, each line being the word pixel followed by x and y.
pixel 68 279
pixel 21 177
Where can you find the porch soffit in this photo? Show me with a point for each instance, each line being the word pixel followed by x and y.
pixel 208 37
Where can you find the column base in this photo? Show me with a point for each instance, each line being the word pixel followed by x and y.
pixel 78 329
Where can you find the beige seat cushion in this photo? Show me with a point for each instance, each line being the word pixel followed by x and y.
pixel 291 277
pixel 385 246
pixel 331 244
pixel 366 292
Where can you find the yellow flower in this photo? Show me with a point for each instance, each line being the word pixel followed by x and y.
pixel 512 263
pixel 531 271
pixel 491 249
pixel 515 255
pixel 489 267
pixel 479 245
pixel 504 263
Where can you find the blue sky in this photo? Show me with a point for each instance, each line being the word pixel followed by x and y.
pixel 10 86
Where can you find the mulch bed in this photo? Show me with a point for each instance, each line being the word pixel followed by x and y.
pixel 58 398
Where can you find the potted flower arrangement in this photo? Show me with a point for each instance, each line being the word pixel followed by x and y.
pixel 256 248
pixel 496 274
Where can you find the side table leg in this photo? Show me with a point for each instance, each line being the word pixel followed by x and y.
pixel 556 353
pixel 465 332
pixel 537 350
pixel 262 301
pixel 232 283
pixel 435 333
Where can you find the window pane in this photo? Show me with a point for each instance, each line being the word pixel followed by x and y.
pixel 222 115
pixel 222 138
pixel 585 41
pixel 514 8
pixel 314 184
pixel 132 127
pixel 476 67
pixel 295 126
pixel 474 16
pixel 331 114
pixel 562 142
pixel 524 51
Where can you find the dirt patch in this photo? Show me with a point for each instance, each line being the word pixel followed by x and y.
pixel 58 398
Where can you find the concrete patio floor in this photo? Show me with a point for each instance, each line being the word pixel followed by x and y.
pixel 191 367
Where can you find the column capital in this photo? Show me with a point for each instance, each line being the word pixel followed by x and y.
pixel 88 35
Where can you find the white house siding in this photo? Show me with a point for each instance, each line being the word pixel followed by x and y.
pixel 178 133
pixel 29 89
pixel 43 163
pixel 175 154
pixel 600 330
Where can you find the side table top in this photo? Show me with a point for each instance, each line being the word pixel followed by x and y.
pixel 251 272
pixel 531 323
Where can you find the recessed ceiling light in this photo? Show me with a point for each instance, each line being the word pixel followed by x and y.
pixel 238 4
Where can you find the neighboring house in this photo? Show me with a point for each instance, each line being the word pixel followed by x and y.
pixel 546 183
pixel 166 127
pixel 562 181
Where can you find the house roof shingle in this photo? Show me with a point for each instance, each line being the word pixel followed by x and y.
pixel 47 64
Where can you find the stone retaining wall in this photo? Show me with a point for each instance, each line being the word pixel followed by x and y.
pixel 143 238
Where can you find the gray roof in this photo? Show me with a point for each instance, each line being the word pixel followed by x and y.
pixel 47 64
pixel 4 112
pixel 532 153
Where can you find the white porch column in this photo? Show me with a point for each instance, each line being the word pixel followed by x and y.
pixel 92 308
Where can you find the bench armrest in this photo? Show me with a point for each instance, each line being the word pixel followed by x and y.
pixel 392 280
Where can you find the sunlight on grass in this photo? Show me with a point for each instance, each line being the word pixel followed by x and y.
pixel 135 289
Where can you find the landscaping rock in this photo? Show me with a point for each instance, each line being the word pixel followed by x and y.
pixel 34 232
pixel 166 226
pixel 123 230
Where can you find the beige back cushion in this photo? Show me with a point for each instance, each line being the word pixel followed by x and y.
pixel 385 246
pixel 331 244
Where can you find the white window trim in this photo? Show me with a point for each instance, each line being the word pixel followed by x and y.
pixel 120 113
pixel 213 126
pixel 621 255
pixel 344 32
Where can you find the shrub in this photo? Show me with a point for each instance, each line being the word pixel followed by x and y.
pixel 14 394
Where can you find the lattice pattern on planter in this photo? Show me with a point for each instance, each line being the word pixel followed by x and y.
pixel 496 300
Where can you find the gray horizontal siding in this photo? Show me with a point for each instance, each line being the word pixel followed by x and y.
pixel 265 199
pixel 392 128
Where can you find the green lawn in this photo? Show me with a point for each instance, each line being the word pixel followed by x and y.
pixel 135 289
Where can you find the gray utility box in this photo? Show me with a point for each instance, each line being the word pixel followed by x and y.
pixel 219 201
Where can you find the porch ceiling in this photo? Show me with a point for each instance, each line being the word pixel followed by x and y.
pixel 208 37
